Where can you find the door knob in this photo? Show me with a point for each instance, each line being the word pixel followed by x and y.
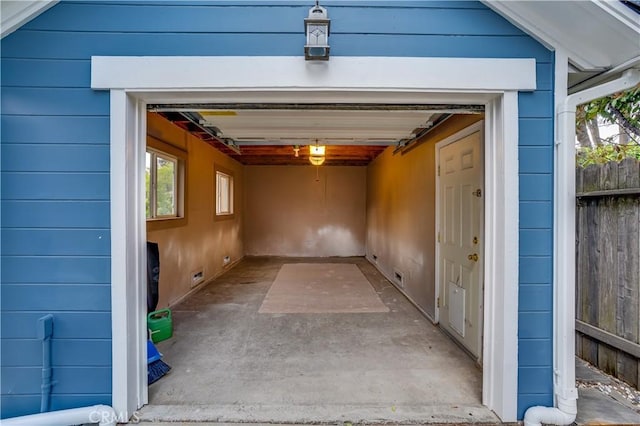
pixel 473 257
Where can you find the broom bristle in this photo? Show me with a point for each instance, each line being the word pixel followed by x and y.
pixel 156 370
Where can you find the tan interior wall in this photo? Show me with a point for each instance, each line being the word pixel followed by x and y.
pixel 199 242
pixel 289 213
pixel 401 200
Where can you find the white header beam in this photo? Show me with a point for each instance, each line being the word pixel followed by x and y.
pixel 196 73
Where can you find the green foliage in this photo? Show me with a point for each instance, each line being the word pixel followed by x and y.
pixel 147 185
pixel 621 108
pixel 165 188
pixel 606 153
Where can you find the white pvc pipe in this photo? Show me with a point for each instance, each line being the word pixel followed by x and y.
pixel 535 416
pixel 100 414
pixel 565 384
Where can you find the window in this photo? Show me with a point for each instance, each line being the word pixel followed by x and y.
pixel 162 180
pixel 224 194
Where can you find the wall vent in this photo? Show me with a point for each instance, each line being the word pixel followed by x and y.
pixel 196 278
pixel 398 277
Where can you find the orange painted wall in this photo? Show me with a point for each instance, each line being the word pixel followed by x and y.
pixel 401 203
pixel 199 242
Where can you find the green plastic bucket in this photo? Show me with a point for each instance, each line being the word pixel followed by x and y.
pixel 160 325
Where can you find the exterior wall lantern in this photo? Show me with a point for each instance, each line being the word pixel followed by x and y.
pixel 316 26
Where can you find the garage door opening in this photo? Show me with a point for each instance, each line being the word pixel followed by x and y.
pixel 317 338
pixel 136 82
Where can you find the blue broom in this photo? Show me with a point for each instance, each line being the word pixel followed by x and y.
pixel 156 368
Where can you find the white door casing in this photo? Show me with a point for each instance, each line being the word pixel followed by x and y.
pixel 136 81
pixel 460 236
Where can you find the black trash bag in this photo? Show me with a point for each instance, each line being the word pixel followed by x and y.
pixel 153 275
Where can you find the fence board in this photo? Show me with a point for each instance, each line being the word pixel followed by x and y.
pixel 591 178
pixel 608 265
pixel 610 339
pixel 629 173
pixel 628 269
pixel 607 282
pixel 579 175
pixel 627 368
pixel 580 266
pixel 609 176
pixel 592 296
pixel 605 192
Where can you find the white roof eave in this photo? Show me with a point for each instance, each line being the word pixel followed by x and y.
pixel 600 38
pixel 17 13
pixel 595 35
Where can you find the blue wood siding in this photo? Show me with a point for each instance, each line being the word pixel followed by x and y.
pixel 55 161
pixel 535 304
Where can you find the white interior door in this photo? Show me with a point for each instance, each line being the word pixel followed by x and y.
pixel 461 207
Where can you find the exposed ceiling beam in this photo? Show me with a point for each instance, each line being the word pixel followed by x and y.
pixel 211 132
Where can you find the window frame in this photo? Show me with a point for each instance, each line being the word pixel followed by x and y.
pixel 222 171
pixel 158 148
pixel 153 185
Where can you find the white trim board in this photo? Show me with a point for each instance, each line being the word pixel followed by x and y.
pixel 128 253
pixel 500 350
pixel 294 72
pixel 128 107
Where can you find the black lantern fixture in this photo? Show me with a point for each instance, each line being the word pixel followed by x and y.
pixel 317 30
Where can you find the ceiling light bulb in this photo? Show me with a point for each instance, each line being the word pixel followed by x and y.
pixel 316 150
pixel 316 161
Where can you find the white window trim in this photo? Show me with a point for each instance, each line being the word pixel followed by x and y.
pixel 136 81
pixel 230 191
pixel 153 189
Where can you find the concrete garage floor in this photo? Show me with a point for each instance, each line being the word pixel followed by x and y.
pixel 233 364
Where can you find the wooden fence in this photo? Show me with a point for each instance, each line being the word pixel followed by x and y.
pixel 608 268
